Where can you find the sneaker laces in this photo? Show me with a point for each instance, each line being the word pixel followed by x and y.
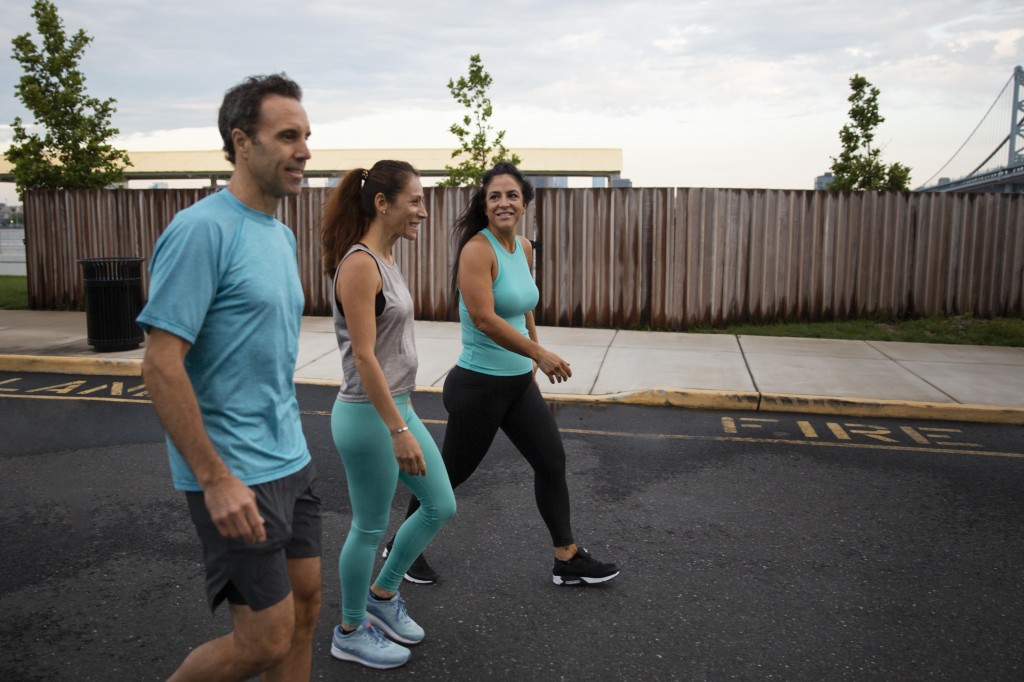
pixel 377 637
pixel 401 612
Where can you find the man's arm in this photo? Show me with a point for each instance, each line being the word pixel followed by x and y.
pixel 231 503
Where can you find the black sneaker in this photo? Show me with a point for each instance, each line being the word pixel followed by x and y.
pixel 583 569
pixel 420 572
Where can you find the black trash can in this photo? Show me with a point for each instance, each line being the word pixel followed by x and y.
pixel 113 299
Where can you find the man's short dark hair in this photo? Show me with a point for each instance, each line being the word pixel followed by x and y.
pixel 241 106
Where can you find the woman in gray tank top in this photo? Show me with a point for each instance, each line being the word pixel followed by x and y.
pixel 377 433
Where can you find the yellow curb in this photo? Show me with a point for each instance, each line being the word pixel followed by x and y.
pixel 305 381
pixel 668 397
pixel 118 367
pixel 895 409
pixel 318 382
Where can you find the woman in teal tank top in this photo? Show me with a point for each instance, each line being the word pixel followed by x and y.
pixel 492 385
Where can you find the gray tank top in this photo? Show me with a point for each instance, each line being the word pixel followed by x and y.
pixel 396 345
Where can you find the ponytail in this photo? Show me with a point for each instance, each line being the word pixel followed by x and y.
pixel 350 208
pixel 343 222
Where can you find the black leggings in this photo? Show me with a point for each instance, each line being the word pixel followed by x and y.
pixel 478 405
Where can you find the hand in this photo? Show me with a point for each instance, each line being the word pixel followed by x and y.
pixel 556 369
pixel 233 509
pixel 408 453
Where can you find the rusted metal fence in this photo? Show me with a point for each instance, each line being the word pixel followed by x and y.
pixel 661 258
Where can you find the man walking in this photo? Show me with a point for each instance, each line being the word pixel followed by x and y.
pixel 222 325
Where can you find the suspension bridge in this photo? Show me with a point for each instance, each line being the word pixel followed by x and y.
pixel 991 159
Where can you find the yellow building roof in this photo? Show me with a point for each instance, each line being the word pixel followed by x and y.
pixel 331 162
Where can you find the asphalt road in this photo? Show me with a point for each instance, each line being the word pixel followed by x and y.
pixel 786 548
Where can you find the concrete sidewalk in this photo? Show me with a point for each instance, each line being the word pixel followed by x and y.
pixel 709 371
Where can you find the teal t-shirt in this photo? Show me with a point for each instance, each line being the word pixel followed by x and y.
pixel 224 277
pixel 515 294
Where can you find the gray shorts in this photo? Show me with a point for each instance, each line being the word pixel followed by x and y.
pixel 257 574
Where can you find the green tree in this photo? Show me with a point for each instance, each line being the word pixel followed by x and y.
pixel 477 153
pixel 859 166
pixel 72 151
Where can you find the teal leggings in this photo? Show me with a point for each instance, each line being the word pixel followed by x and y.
pixel 364 442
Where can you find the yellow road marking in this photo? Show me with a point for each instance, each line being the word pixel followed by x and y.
pixel 131 401
pixel 792 441
pixel 742 439
pixel 805 427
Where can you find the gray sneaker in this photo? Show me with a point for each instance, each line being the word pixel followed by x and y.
pixel 392 617
pixel 368 646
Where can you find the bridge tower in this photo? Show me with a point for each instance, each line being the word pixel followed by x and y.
pixel 991 175
pixel 1017 120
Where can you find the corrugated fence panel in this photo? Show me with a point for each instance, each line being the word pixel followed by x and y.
pixel 630 257
pixel 667 263
pixel 301 213
pixel 790 263
pixel 970 258
pixel 704 243
pixel 991 275
pixel 734 273
pixel 636 290
pixel 843 254
pixel 609 247
pixel 885 288
pixel 813 254
pixel 763 256
pixel 696 282
pixel 625 232
pixel 934 256
pixel 592 232
pixel 556 238
pixel 426 263
pixel 718 270
pixel 759 252
pixel 1013 259
pixel 853 244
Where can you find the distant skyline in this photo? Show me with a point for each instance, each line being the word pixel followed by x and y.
pixel 727 94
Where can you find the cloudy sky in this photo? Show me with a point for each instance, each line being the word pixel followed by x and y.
pixel 729 93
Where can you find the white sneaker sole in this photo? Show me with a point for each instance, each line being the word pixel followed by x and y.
pixel 582 580
pixel 342 655
pixel 418 581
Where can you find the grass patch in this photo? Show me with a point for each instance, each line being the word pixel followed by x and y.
pixel 957 329
pixel 13 292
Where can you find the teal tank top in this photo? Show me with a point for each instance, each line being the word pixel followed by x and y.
pixel 515 294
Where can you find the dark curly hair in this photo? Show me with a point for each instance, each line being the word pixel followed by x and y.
pixel 474 216
pixel 241 106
